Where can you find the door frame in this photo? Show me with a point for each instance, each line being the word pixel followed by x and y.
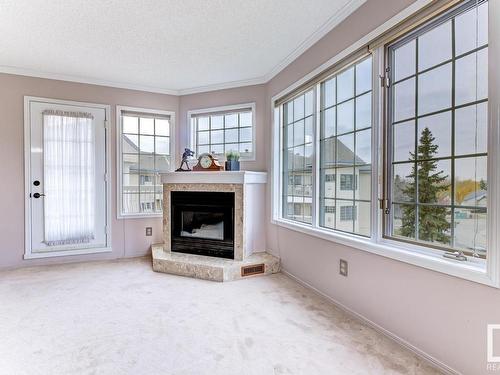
pixel 28 254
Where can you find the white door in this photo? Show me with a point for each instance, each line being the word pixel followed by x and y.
pixel 65 178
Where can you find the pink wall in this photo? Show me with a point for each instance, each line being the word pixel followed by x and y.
pixel 128 236
pixel 248 94
pixel 444 316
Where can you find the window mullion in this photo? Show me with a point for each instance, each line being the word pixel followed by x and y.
pixel 316 157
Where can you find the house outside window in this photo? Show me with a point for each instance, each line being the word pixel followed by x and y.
pixel 145 141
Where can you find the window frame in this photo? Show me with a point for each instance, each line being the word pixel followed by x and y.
pixel 119 157
pixel 222 110
pixel 387 221
pixel 476 270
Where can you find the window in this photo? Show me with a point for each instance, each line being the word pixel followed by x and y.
pixel 431 153
pixel 298 151
pixel 219 130
pixel 330 177
pixel 144 152
pixel 438 126
pixel 347 213
pixel 329 209
pixel 344 136
pixel 348 182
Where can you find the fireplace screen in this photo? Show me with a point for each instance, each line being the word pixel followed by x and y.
pixel 209 225
pixel 203 223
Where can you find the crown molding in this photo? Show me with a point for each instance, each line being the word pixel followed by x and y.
pixel 222 86
pixel 333 21
pixel 91 81
pixel 328 26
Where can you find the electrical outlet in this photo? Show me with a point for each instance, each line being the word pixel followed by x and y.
pixel 343 266
pixel 149 231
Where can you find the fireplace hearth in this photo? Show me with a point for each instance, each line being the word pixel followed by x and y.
pixel 203 223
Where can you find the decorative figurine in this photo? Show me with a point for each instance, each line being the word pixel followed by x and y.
pixel 185 156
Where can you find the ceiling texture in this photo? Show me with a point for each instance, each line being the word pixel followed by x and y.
pixel 170 46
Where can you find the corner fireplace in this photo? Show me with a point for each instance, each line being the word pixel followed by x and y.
pixel 203 223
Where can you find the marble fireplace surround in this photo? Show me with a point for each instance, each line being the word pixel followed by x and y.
pixel 248 188
pixel 239 239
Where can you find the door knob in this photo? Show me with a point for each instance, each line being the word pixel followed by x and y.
pixel 38 195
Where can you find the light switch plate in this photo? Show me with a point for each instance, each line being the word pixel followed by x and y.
pixel 149 231
pixel 343 267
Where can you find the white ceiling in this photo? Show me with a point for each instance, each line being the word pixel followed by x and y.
pixel 174 46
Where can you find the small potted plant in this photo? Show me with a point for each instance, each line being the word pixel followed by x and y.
pixel 232 161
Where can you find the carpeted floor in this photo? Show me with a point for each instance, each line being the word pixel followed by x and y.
pixel 120 317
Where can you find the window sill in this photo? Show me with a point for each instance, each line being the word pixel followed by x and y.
pixel 472 270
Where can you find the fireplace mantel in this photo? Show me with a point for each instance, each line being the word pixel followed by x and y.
pixel 224 177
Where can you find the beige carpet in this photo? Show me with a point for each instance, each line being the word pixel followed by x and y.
pixel 122 318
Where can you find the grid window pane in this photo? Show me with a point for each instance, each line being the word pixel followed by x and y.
pixel 203 123
pixel 297 193
pixel 217 136
pixel 404 141
pixel 471 79
pixel 471 29
pixel 147 143
pixel 345 117
pixel 162 127
pixel 130 124
pixel 471 129
pixel 162 145
pixel 147 125
pixel 345 85
pixel 434 46
pixel 231 120
pixel 223 132
pixel 446 186
pixel 145 155
pixel 345 149
pixel 328 93
pixel 404 61
pixel 434 90
pixel 404 100
pixel 216 122
pixel 130 143
pixel 440 127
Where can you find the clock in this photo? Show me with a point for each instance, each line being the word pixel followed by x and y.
pixel 207 162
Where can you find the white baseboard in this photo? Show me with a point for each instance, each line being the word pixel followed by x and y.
pixel 427 357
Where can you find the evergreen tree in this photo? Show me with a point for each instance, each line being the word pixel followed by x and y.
pixel 432 224
pixel 483 185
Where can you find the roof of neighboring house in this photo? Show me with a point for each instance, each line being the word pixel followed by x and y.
pixel 344 157
pixel 476 195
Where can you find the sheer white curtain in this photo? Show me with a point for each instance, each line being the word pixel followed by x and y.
pixel 69 177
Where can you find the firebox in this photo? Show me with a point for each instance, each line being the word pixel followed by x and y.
pixel 203 223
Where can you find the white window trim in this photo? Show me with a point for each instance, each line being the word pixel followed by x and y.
pixel 119 186
pixel 476 270
pixel 28 254
pixel 227 108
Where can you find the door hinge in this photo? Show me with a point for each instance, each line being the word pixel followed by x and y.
pixel 106 123
pixel 106 177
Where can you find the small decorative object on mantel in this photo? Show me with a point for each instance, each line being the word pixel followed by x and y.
pixel 207 162
pixel 232 161
pixel 185 156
